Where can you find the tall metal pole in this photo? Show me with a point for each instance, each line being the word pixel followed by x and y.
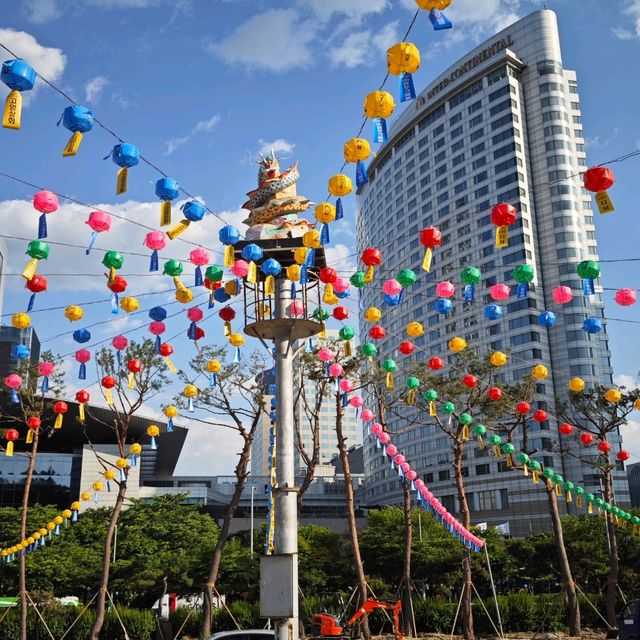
pixel 253 488
pixel 286 509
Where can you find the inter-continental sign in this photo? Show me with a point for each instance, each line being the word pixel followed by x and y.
pixel 485 54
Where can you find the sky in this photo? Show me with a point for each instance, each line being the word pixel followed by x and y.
pixel 202 86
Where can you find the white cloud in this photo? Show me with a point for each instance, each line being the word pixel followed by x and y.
pixel 626 380
pixel 94 88
pixel 204 126
pixel 631 440
pixel 357 48
pixel 341 258
pixel 47 61
pixel 276 40
pixel 631 9
pixel 357 9
pixel 41 11
pixel 279 146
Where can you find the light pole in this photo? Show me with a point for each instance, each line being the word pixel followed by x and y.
pixel 253 488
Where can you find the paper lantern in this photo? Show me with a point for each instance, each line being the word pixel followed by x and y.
pixel 403 59
pixel 336 370
pixel 167 189
pixel 588 270
pixel 435 7
pixel 592 325
pixel 358 150
pixel 565 429
pixel 367 415
pixel 81 335
pixel 36 250
pixel 626 297
pixel 503 215
pixel 21 320
pixel 443 305
pixel 406 277
pixel 523 408
pixel 82 398
pixel 430 238
pixel 357 279
pixel 562 295
pixel 118 285
pixel 598 180
pixel 377 332
pixel 346 386
pixel 156 241
pixel 435 363
pixel 493 312
pixel 540 372
pixel 457 344
pixel 445 289
pixel 540 416
pixel 125 155
pixel 45 202
pixel 19 76
pixel 378 106
pixel 368 349
pixel 500 292
pixel 240 268
pixel 340 313
pixel 78 120
pixel 470 381
pixel 470 277
pixel 623 455
pixel 494 393
pixel 193 211
pixel 392 287
pixel 11 436
pixel 340 185
pixel 325 212
pixel 59 408
pixel 199 257
pixel 83 356
pixel 406 348
pixel 73 313
pixel 547 319
pixel 523 274
pixel 371 257
pixel 479 430
pixel 603 446
pixel 311 239
pixel 613 396
pixel 415 329
pixel 498 359
pixel 119 343
pixel 372 314
pixel 20 352
pixel 129 304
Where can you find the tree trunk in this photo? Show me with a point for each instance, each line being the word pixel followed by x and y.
pixel 408 619
pixel 214 567
pixel 573 606
pixel 614 561
pixel 351 517
pixel 22 569
pixel 466 610
pixel 101 600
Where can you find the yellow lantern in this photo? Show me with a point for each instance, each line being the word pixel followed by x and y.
pixel 67 512
pixel 293 272
pixel 135 449
pixel 58 520
pixel 372 315
pixel 429 5
pixel 129 304
pixel 636 404
pixel 153 431
pixel 73 312
pixel 340 185
pixel 36 536
pixel 457 344
pixel 184 296
pixel 85 496
pixel 43 531
pixel 356 150
pixel 300 254
pixel 190 391
pixel 378 106
pixel 403 57
pixel 311 239
pixel 325 212
pixel 30 540
pixel 50 526
pixel 236 339
pixel 214 366
pixel 540 372
pixel 498 359
pixel 97 486
pixel 613 396
pixel 20 320
pixel 415 329
pixel 171 412
pixel 109 474
pixel 435 7
pixel 576 385
pixel 230 288
pixel 122 463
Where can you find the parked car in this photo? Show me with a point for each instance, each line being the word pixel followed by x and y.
pixel 245 634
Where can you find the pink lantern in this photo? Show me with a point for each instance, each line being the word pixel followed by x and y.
pixel 392 287
pixel 392 450
pixel 562 295
pixel 46 368
pixel 367 415
pixel 195 314
pixel 199 257
pixel 45 202
pixel 384 438
pixel 155 240
pixel 83 355
pixel 445 289
pixel 411 475
pixel 326 355
pixel 356 401
pixel 119 343
pixel 296 309
pixel 240 268
pixel 405 466
pixel 376 429
pixel 99 221
pixel 346 386
pixel 399 458
pixel 336 370
pixel 419 484
pixel 626 297
pixel 341 285
pixel 157 328
pixel 13 381
pixel 500 292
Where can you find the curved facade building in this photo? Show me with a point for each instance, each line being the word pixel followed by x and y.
pixel 503 124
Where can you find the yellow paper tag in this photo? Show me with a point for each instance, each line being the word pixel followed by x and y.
pixel 323 333
pixel 72 146
pixel 122 180
pixel 269 286
pixel 389 382
pixel 29 439
pixel 411 397
pixel 502 237
pixel 535 476
pixel 58 423
pixel 465 432
pixel 227 329
pixel 170 365
pixel 165 213
pixel 293 272
pixel 432 409
pixel 132 380
pixel 229 257
pixel 30 269
pixel 347 349
pixel 9 450
pixel 426 262
pixel 178 283
pixel 81 412
pixel 328 294
pixel 12 111
pixel 252 272
pixel 108 396
pixel 604 202
pixel 181 227
pixel 368 275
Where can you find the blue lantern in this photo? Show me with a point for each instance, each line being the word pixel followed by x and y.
pixel 444 305
pixel 393 300
pixel 271 267
pixel 252 252
pixel 82 335
pixel 592 325
pixel 493 312
pixel 193 212
pixel 20 352
pixel 79 120
pixel 167 189
pixel 547 319
pixel 220 295
pixel 125 155
pixel 18 76
pixel 341 295
pixel 228 235
pixel 157 313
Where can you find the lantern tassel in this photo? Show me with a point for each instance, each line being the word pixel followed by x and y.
pixel 132 380
pixel 426 262
pixel 522 290
pixel 469 293
pixel 158 344
pixel 123 476
pixel 270 286
pixel 81 412
pixel 15 398
pixel 92 240
pixel 407 88
pixel 389 381
pixel 82 374
pixel 12 110
pixel 411 397
pixel 229 256
pixel 227 329
pixel 309 347
pixel 115 303
pixel 108 396
pixel 178 283
pixel 112 275
pixel 58 423
pixel 310 258
pixel 496 451
pixel 481 442
pixel 181 227
pixel 304 275
pixel 122 180
pixel 293 291
pixel 74 516
pixel 236 356
pixel 213 380
pixel 439 20
pixel 525 470
pixel 361 174
pixel 588 287
pixel 30 269
pixel 165 213
pixel 73 145
pixel 32 299
pixel 44 386
pixel 604 202
pixel 380 130
pixel 42 226
pixel 465 432
pixel 509 460
pixel 170 425
pixel 432 409
pixel 569 497
pixel 579 500
pixel 339 209
pixel 153 263
pixel 252 272
pixel 502 237
pixel 590 508
pixel 558 490
pixel 170 365
pixel 191 333
pixel 29 439
pixel 190 408
pixel 345 399
pixel 198 277
pixel 347 349
pixel 324 234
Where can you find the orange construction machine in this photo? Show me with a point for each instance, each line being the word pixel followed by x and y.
pixel 324 625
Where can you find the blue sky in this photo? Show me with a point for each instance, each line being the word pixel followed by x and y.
pixel 201 86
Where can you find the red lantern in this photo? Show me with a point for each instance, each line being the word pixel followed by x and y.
pixel 598 180
pixel 586 439
pixel 34 423
pixel 523 408
pixel 565 429
pixel 212 285
pixel 134 366
pixel 227 314
pixel 623 455
pixel 540 416
pixel 82 397
pixel 470 381
pixel 430 238
pixel 503 215
pixel 37 284
pixel 328 275
pixel 11 435
pixel 370 257
pixel 603 446
pixel 118 285
pixel 494 393
pixel 377 332
pixel 198 334
pixel 60 408
pixel 340 313
pixel 406 348
pixel 108 382
pixel 166 349
pixel 435 363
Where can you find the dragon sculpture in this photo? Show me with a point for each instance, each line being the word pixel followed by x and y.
pixel 275 205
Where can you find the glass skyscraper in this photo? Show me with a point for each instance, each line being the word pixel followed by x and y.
pixel 503 124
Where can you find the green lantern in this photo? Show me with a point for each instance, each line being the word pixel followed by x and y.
pixel 523 458
pixel 508 449
pixel 320 314
pixel 599 502
pixel 214 273
pixel 635 520
pixel 470 277
pixel 357 279
pixel 495 441
pixel 588 270
pixel 113 260
pixel 523 274
pixel 430 395
pixel 590 497
pixel 346 333
pixel 558 479
pixel 535 466
pixel 173 268
pixel 412 382
pixel 407 277
pixel 569 486
pixel 465 419
pixel 39 250
pixel 368 349
pixel 548 473
pixel 448 407
pixel 479 430
pixel 389 365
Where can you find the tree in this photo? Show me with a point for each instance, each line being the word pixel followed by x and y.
pixel 233 400
pixel 596 414
pixel 143 379
pixel 32 402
